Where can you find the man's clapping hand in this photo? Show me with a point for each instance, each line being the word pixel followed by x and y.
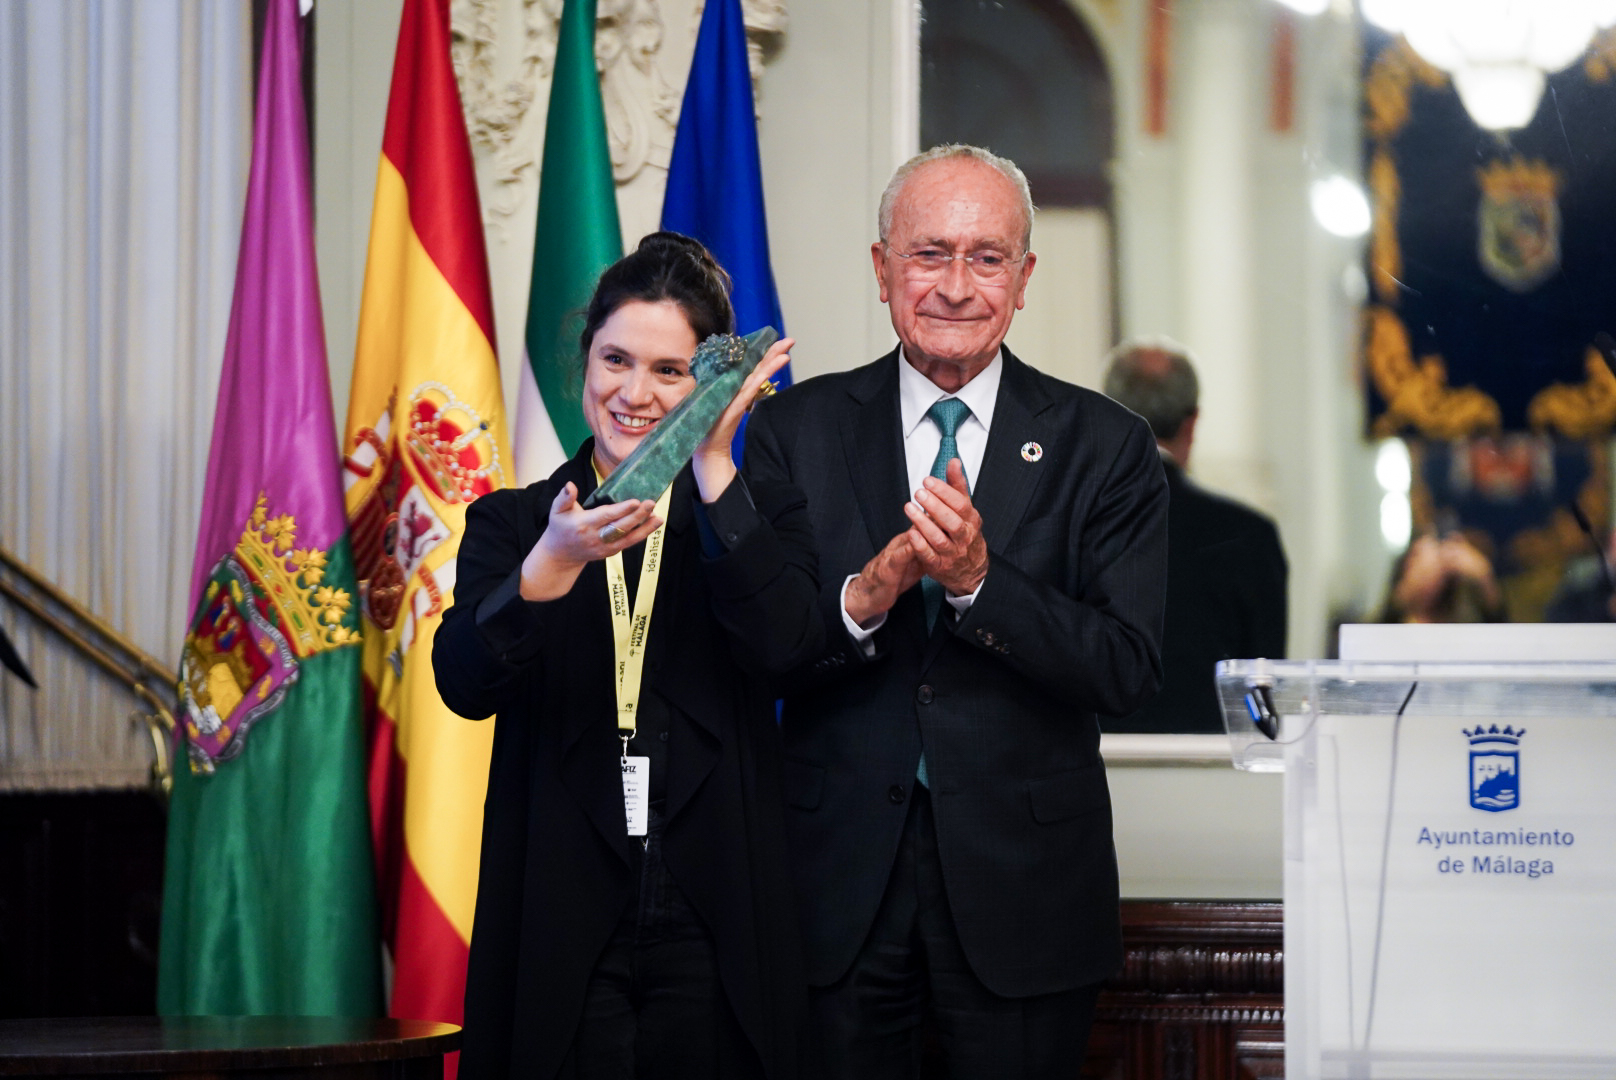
pixel 946 534
pixel 892 572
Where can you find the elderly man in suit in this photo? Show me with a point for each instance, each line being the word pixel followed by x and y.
pixel 993 556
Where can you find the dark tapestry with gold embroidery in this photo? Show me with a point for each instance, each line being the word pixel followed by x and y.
pixel 1492 261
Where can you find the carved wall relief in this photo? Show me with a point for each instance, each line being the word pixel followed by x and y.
pixel 503 65
pixel 642 111
pixel 495 108
pixel 765 31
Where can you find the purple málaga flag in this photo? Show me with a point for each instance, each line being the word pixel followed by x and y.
pixel 274 430
pixel 268 903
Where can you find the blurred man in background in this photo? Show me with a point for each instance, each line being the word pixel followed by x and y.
pixel 1226 571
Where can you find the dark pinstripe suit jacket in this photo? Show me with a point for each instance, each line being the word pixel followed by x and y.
pixel 1067 624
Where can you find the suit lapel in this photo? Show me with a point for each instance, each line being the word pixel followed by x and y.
pixel 589 765
pixel 668 669
pixel 595 622
pixel 872 437
pixel 1005 488
pixel 873 441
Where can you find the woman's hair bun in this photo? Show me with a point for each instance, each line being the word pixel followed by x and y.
pixel 665 266
pixel 663 240
pixel 671 244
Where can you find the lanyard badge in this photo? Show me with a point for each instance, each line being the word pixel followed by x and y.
pixel 630 633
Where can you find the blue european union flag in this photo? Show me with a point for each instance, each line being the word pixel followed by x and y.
pixel 715 183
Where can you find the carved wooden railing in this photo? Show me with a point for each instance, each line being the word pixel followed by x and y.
pixel 102 645
pixel 1200 995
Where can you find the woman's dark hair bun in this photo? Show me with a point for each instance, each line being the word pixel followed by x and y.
pixel 665 239
pixel 665 266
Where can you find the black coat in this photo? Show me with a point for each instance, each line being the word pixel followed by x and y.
pixel 1226 582
pixel 557 865
pixel 1066 625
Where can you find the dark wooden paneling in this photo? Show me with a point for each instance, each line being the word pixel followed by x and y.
pixel 81 880
pixel 1200 995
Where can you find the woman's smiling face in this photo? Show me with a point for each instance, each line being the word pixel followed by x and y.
pixel 638 369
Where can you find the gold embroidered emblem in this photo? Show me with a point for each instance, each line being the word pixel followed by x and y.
pixel 265 609
pixel 1417 394
pixel 1518 223
pixel 310 613
pixel 1585 410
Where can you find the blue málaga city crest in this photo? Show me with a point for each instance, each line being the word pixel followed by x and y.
pixel 1495 767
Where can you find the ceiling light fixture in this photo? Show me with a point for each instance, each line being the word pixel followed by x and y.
pixel 1498 52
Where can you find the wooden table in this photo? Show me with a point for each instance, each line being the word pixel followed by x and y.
pixel 264 1047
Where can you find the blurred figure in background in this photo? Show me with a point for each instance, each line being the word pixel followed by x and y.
pixel 1586 593
pixel 1443 578
pixel 1226 570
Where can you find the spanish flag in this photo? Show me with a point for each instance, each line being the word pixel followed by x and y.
pixel 425 438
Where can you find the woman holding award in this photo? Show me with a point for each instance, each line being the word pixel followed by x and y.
pixel 634 914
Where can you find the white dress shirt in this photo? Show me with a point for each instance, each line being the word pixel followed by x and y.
pixel 921 440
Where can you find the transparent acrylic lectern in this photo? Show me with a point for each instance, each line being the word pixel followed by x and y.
pixel 1450 863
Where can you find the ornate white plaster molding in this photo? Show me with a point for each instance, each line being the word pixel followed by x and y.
pixel 642 110
pixel 766 22
pixel 498 90
pixel 495 111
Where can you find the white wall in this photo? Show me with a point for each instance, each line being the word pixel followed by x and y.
pixel 353 69
pixel 1197 831
pixel 1065 329
pixel 838 107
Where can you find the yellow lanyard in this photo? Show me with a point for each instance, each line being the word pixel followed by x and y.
pixel 630 634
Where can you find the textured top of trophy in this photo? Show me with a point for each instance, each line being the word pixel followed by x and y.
pixel 720 366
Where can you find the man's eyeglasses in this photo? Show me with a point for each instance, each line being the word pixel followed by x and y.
pixel 990 267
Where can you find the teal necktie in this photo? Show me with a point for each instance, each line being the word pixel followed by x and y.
pixel 948 414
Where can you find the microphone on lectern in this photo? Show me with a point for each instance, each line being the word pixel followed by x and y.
pixel 1587 528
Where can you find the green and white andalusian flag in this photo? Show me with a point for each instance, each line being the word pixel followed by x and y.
pixel 578 236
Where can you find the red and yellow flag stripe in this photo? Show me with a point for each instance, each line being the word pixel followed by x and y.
pixel 426 436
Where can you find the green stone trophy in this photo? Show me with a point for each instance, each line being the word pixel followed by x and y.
pixel 720 366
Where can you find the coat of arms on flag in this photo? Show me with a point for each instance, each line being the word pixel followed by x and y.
pixel 1518 223
pixel 1489 262
pixel 263 610
pixel 456 459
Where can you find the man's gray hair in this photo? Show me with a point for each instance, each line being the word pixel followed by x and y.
pixel 1003 165
pixel 1154 378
